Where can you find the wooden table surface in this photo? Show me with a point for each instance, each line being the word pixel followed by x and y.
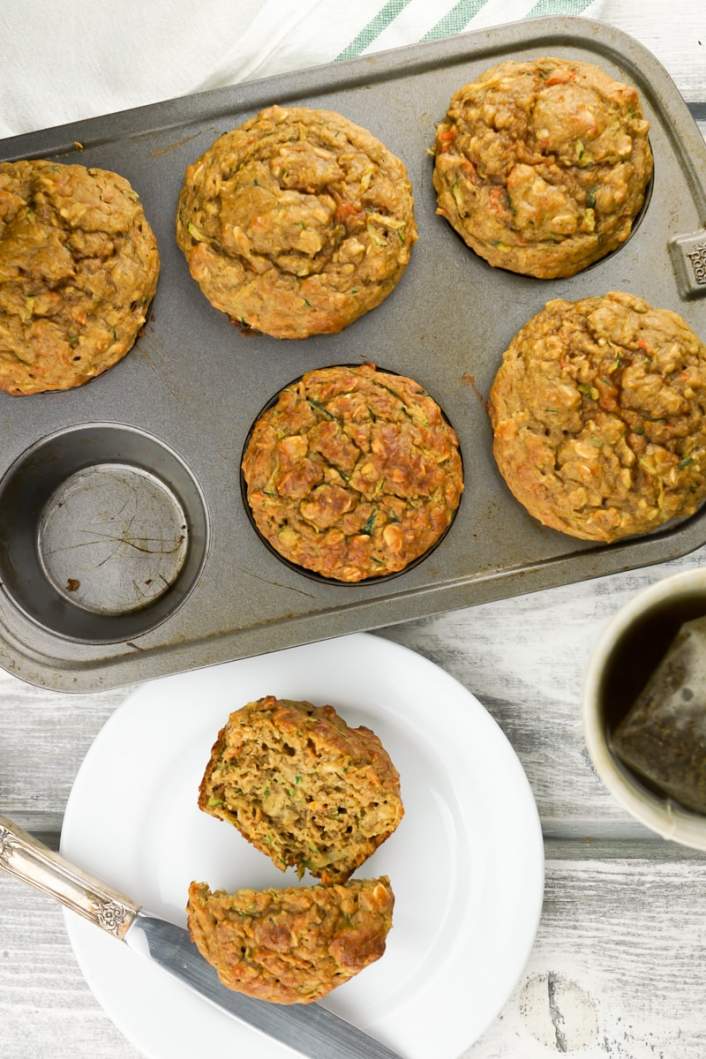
pixel 618 968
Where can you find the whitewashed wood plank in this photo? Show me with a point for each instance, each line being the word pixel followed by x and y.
pixel 43 739
pixel 617 966
pixel 46 1009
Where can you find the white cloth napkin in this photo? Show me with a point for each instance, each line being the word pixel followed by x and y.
pixel 62 60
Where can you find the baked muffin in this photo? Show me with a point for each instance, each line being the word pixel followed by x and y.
pixel 598 417
pixel 353 472
pixel 78 270
pixel 302 786
pixel 542 166
pixel 297 222
pixel 291 946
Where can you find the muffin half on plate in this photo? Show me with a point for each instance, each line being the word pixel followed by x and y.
pixel 302 786
pixel 291 946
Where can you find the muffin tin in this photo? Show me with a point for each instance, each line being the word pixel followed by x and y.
pixel 188 582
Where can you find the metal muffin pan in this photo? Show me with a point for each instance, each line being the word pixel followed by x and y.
pixel 182 402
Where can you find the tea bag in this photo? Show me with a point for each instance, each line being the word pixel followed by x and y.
pixel 663 736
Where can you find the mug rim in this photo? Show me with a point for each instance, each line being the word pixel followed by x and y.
pixel 667 818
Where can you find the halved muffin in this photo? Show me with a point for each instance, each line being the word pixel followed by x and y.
pixel 302 786
pixel 291 946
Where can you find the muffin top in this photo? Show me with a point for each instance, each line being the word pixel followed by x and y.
pixel 291 946
pixel 353 472
pixel 599 417
pixel 542 166
pixel 78 269
pixel 297 222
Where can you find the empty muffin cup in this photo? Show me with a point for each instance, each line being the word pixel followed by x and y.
pixel 103 533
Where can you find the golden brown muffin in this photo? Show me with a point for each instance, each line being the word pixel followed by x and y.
pixel 297 222
pixel 542 166
pixel 598 413
pixel 353 472
pixel 302 786
pixel 291 946
pixel 78 270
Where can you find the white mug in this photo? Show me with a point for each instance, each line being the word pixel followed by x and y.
pixel 666 817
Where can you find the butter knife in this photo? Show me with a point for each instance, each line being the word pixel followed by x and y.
pixel 307 1029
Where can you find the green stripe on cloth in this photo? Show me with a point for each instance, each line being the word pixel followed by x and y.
pixel 373 29
pixel 455 20
pixel 558 7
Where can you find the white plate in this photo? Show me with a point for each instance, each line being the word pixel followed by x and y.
pixel 466 863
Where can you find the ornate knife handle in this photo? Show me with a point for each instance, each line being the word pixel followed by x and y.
pixel 33 863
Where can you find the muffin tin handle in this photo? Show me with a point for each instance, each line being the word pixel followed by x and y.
pixel 34 863
pixel 688 254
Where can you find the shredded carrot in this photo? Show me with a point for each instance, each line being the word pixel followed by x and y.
pixel 447 136
pixel 561 77
pixel 345 211
pixel 497 200
pixel 607 396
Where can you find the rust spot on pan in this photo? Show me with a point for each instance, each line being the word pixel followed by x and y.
pixel 468 379
pixel 160 152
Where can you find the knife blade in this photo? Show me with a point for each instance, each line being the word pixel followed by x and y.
pixel 306 1029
